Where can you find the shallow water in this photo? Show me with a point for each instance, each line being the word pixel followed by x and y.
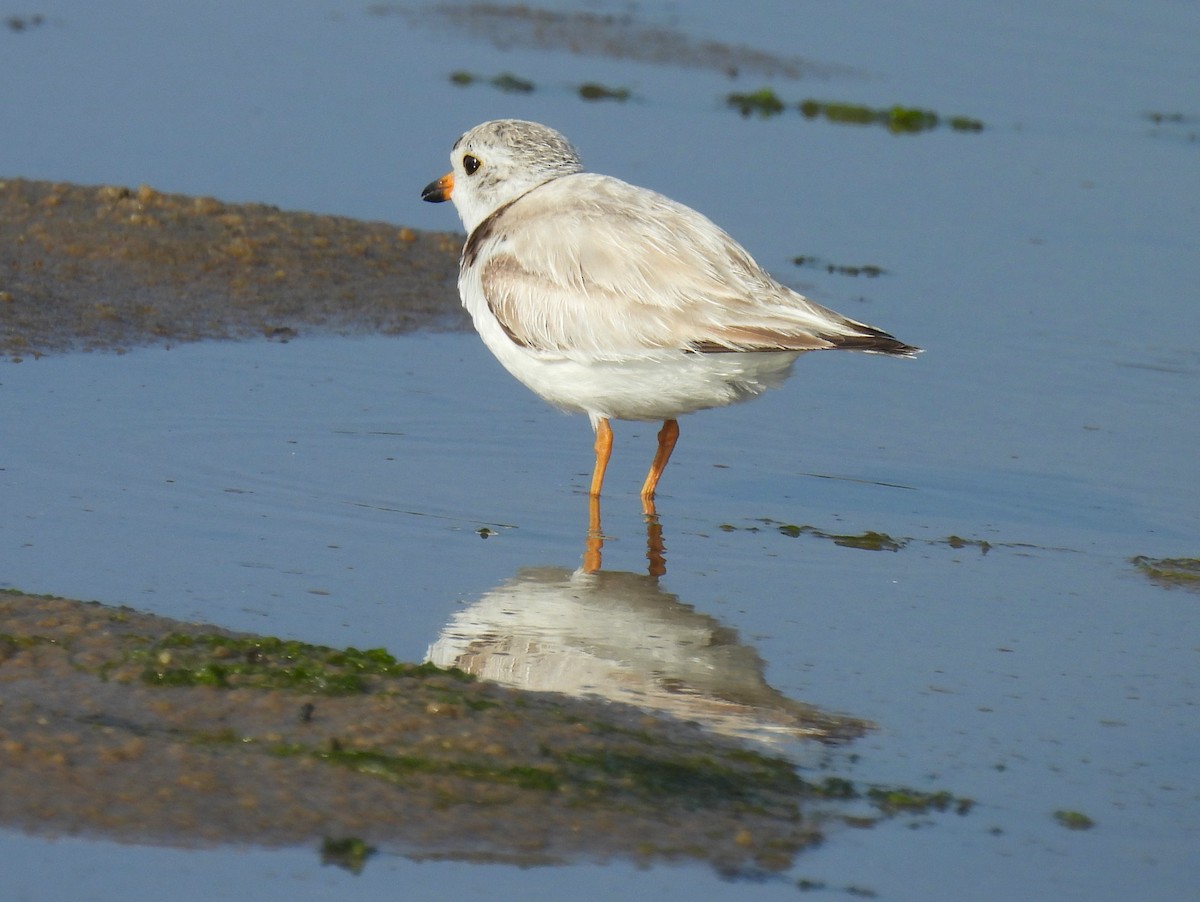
pixel 335 490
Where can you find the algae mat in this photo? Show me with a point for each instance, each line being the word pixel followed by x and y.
pixel 138 728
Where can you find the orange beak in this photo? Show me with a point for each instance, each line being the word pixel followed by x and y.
pixel 439 189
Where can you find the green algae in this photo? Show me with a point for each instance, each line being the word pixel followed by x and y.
pixel 511 84
pixel 697 780
pixel 965 124
pixel 656 773
pixel 514 84
pixel 763 103
pixel 896 800
pixel 348 853
pixel 833 788
pixel 897 119
pixel 850 113
pixel 397 768
pixel 701 780
pixel 889 801
pixel 955 541
pixel 1074 820
pixel 869 270
pixel 23 642
pixel 593 91
pixel 1170 571
pixel 266 662
pixel 868 540
pixel 505 81
pixel 908 119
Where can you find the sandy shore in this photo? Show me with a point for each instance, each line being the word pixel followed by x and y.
pixel 113 267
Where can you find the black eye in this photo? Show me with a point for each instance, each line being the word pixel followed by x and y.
pixel 471 164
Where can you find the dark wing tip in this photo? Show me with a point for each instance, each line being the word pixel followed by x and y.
pixel 873 341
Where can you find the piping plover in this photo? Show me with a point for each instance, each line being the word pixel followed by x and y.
pixel 616 301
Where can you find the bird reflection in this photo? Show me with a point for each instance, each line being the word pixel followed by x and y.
pixel 621 636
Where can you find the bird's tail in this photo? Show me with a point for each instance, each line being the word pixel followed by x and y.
pixel 859 336
pixel 871 340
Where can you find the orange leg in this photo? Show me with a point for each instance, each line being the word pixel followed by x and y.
pixel 667 436
pixel 604 443
pixel 595 537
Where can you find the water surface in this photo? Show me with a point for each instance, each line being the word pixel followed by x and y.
pixel 338 490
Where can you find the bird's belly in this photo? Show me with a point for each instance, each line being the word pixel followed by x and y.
pixel 652 386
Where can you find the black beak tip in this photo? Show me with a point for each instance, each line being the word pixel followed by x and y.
pixel 433 193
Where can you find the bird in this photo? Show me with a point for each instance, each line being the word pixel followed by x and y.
pixel 613 300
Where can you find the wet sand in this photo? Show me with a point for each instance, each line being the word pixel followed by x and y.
pixel 115 267
pixel 133 727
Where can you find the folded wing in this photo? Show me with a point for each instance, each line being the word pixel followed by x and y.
pixel 590 265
